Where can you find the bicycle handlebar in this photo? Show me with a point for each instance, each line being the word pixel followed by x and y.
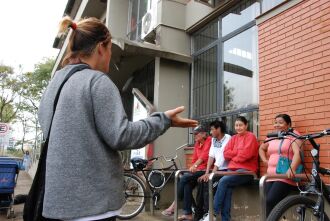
pixel 282 134
pixel 324 171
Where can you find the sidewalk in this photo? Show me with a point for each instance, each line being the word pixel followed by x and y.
pixel 23 186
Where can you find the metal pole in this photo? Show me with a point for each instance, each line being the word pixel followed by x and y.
pixel 211 211
pixel 262 194
pixel 177 173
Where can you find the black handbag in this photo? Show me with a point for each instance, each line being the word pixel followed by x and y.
pixel 34 201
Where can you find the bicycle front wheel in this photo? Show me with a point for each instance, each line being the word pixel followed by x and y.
pixel 295 208
pixel 135 193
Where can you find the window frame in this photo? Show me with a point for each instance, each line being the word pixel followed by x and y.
pixel 219 43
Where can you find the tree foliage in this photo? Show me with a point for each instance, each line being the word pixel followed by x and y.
pixel 20 94
pixel 10 89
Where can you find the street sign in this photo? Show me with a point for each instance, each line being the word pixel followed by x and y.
pixel 3 128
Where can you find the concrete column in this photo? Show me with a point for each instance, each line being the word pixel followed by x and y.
pixel 117 17
pixel 171 90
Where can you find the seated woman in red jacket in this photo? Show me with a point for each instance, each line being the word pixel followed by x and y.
pixel 242 153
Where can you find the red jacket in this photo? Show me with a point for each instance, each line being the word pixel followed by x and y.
pixel 242 152
pixel 202 152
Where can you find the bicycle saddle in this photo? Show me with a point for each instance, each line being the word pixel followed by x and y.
pixel 139 163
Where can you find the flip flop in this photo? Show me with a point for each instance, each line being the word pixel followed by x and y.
pixel 167 213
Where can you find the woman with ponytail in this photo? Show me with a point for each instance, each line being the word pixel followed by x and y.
pixel 84 175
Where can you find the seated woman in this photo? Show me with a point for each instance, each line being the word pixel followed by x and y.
pixel 278 189
pixel 241 152
pixel 189 180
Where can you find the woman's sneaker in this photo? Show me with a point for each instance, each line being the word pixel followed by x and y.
pixel 206 217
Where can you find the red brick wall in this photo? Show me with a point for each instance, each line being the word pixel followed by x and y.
pixel 294 69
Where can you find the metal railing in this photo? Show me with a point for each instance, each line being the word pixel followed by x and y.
pixel 262 189
pixel 210 189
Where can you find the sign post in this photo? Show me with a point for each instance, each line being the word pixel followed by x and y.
pixel 142 109
pixel 4 137
pixel 139 112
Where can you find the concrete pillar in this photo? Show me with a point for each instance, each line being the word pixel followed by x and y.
pixel 117 17
pixel 171 90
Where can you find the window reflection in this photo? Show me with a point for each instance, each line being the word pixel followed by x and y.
pixel 240 76
pixel 239 16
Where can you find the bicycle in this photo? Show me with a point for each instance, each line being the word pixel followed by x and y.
pixel 301 207
pixel 135 188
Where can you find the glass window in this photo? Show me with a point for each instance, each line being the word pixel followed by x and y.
pixel 206 36
pixel 240 89
pixel 269 4
pixel 205 83
pixel 143 7
pixel 244 13
pixel 138 10
pixel 133 19
pixel 225 55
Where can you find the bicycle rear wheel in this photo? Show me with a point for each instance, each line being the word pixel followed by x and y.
pixel 295 208
pixel 135 193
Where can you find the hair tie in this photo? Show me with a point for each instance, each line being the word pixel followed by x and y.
pixel 73 25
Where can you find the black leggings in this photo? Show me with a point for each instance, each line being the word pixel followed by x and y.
pixel 275 192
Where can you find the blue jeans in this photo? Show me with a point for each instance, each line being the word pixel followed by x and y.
pixel 185 188
pixel 222 198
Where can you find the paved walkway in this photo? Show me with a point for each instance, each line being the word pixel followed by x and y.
pixel 23 186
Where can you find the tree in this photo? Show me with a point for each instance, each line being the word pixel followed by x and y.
pixel 10 89
pixel 35 83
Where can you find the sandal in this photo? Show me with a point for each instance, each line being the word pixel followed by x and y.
pixel 168 213
pixel 184 218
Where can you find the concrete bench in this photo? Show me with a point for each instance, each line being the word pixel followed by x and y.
pixel 242 209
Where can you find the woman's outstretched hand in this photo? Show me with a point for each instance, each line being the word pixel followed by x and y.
pixel 178 121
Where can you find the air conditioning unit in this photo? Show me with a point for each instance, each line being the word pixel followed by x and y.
pixel 149 20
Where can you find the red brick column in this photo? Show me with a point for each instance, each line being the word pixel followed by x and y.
pixel 294 69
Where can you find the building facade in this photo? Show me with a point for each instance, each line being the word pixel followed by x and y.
pixel 220 59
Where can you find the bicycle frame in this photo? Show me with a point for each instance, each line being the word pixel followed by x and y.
pixel 317 186
pixel 155 192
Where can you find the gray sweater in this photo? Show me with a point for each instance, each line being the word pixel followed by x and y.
pixel 84 174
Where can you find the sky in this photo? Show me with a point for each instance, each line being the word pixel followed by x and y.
pixel 28 30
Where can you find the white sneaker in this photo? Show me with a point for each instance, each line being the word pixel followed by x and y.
pixel 206 217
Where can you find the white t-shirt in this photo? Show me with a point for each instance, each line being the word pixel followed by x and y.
pixel 216 151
